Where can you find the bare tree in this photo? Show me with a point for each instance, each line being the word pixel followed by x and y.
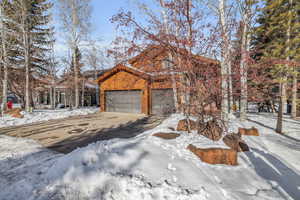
pixel 166 29
pixel 246 14
pixel 96 59
pixel 222 11
pixel 75 17
pixel 53 70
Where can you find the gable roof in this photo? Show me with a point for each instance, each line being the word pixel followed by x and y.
pixel 154 53
pixel 139 65
pixel 122 67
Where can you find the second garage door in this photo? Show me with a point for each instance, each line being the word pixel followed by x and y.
pixel 162 101
pixel 123 101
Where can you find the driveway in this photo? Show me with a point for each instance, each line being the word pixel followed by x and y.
pixel 65 135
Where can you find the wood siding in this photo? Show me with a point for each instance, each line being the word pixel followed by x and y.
pixel 125 80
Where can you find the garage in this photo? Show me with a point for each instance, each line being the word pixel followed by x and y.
pixel 124 89
pixel 127 101
pixel 162 101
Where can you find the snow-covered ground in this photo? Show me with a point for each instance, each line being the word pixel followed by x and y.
pixel 146 167
pixel 44 115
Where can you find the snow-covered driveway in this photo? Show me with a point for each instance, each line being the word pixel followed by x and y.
pixel 65 135
pixel 45 115
pixel 145 167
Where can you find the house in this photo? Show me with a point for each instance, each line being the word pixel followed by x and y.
pixel 64 91
pixel 142 85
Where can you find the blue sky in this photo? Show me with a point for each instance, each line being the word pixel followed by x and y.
pixel 102 28
pixel 103 10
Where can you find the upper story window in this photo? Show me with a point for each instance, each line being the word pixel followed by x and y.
pixel 166 64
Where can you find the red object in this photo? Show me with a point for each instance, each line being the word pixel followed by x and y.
pixel 9 105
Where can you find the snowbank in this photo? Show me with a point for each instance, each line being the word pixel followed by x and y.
pixel 147 167
pixel 44 115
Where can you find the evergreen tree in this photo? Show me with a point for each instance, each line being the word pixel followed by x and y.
pixel 34 39
pixel 4 40
pixel 276 41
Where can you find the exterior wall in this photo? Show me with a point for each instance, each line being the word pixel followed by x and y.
pixel 161 85
pixel 125 81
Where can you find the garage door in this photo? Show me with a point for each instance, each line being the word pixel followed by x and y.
pixel 123 101
pixel 162 102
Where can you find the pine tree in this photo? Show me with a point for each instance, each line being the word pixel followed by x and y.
pixel 274 38
pixel 34 39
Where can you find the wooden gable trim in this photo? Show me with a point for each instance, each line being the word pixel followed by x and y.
pixel 123 68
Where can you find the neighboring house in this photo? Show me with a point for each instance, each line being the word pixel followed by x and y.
pixel 143 85
pixel 63 89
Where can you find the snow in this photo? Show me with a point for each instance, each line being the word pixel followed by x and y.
pixel 147 167
pixel 44 115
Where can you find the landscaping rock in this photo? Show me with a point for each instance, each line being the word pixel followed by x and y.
pixel 235 142
pixel 183 125
pixel 166 136
pixel 15 112
pixel 211 130
pixel 171 128
pixel 215 155
pixel 250 132
pixel 17 115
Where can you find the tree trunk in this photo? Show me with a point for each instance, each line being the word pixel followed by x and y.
pixel 294 95
pixel 97 86
pixel 279 126
pixel 5 63
pixel 173 78
pixel 65 98
pixel 82 94
pixel 230 90
pixel 26 58
pixel 74 46
pixel 283 84
pixel 27 80
pixel 295 75
pixel 76 78
pixel 54 96
pixel 244 70
pixel 224 62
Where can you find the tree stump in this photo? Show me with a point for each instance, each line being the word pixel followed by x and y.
pixel 15 112
pixel 235 142
pixel 250 132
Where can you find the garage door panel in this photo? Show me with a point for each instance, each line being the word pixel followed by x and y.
pixel 123 101
pixel 162 101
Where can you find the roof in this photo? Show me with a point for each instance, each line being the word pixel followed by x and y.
pixel 143 64
pixel 154 54
pixel 122 67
